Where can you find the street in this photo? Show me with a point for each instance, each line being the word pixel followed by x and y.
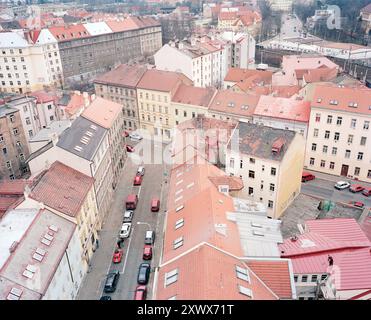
pixel 153 185
pixel 291 26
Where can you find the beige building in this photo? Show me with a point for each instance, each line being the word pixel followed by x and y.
pixel 108 115
pixel 69 194
pixel 339 141
pixel 270 163
pixel 119 85
pixel 155 91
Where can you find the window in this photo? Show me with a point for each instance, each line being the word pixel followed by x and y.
pixel 339 121
pixel 314 278
pixel 271 187
pixel 185 113
pixel 231 162
pixel 353 123
pixel 5 151
pixel 324 149
pixel 252 160
pixel 311 161
pixel 12 118
pixel 273 171
pixel 363 141
pixel 304 279
pixel 241 164
pixel 245 291
pixel 314 146
pixel 350 138
pixel 242 274
pixel 9 164
pixel 178 243
pixel 15 131
pixel 251 174
pixel 347 154
pixel 369 174
pixel 357 170
pixel 296 278
pixel 366 125
pixel 329 119
pixel 315 133
pixel 360 156
pixel 30 133
pixel 337 136
pixel 323 277
pixel 327 134
pixel 21 157
pixel 176 112
pixel 270 204
pixel 251 191
pixel 1 138
pixel 334 151
pixel 179 223
pixel 332 165
pixel 171 277
pixel 323 163
pixel 318 117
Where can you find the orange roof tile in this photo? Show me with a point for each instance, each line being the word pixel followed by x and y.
pixel 69 32
pixel 240 74
pixel 14 187
pixel 63 189
pixel 193 95
pixel 102 112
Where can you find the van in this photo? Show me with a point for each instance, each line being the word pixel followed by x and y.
pixel 155 205
pixel 150 237
pixel 306 176
pixel 131 202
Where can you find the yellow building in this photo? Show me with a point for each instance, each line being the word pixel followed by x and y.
pixel 154 92
pixel 270 163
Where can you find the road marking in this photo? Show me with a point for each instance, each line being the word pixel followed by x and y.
pixel 140 189
pixel 128 249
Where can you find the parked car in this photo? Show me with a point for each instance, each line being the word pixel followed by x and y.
pixel 140 293
pixel 357 204
pixel 111 281
pixel 341 185
pixel 129 148
pixel 131 202
pixel 125 230
pixel 105 298
pixel 143 273
pixel 155 205
pixel 150 237
pixel 147 252
pixel 117 256
pixel 356 188
pixel 306 176
pixel 138 180
pixel 126 134
pixel 135 136
pixel 366 192
pixel 140 171
pixel 128 216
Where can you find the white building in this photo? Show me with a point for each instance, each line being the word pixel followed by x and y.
pixel 29 61
pixel 281 5
pixel 40 256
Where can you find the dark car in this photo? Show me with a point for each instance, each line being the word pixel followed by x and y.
pixel 111 281
pixel 143 273
pixel 105 298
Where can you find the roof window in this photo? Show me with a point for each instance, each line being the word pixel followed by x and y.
pixel 171 277
pixel 242 273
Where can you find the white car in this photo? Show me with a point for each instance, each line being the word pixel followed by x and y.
pixel 140 171
pixel 128 216
pixel 341 185
pixel 125 230
pixel 135 136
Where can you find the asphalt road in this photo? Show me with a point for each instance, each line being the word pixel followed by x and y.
pixel 324 189
pixel 153 185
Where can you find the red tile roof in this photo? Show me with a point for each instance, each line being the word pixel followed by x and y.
pixel 320 74
pixel 63 189
pixel 165 81
pixel 69 32
pixel 240 74
pixel 283 108
pixel 6 203
pixel 124 75
pixel 344 97
pixel 285 91
pixel 193 95
pixel 14 187
pixel 44 96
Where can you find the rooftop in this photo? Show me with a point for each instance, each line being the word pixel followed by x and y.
pixel 283 108
pixel 63 189
pixel 261 141
pixel 13 187
pixel 83 138
pixel 6 110
pixel 196 96
pixel 124 75
pixel 56 127
pixel 102 112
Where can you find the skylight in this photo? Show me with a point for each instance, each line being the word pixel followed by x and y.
pixel 242 274
pixel 171 277
pixel 245 291
pixel 179 223
pixel 178 242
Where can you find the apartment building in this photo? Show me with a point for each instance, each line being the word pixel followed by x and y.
pixel 190 102
pixel 155 91
pixel 331 260
pixel 109 115
pixel 13 144
pixel 120 85
pixel 270 163
pixel 84 147
pixel 41 256
pixel 339 132
pixel 70 194
pixel 29 61
pixel 236 20
pixel 281 5
pixel 283 113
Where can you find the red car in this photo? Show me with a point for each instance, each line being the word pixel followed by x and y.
pixel 306 176
pixel 138 180
pixel 117 256
pixel 356 188
pixel 147 252
pixel 129 148
pixel 155 205
pixel 140 293
pixel 357 204
pixel 367 192
pixel 126 134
